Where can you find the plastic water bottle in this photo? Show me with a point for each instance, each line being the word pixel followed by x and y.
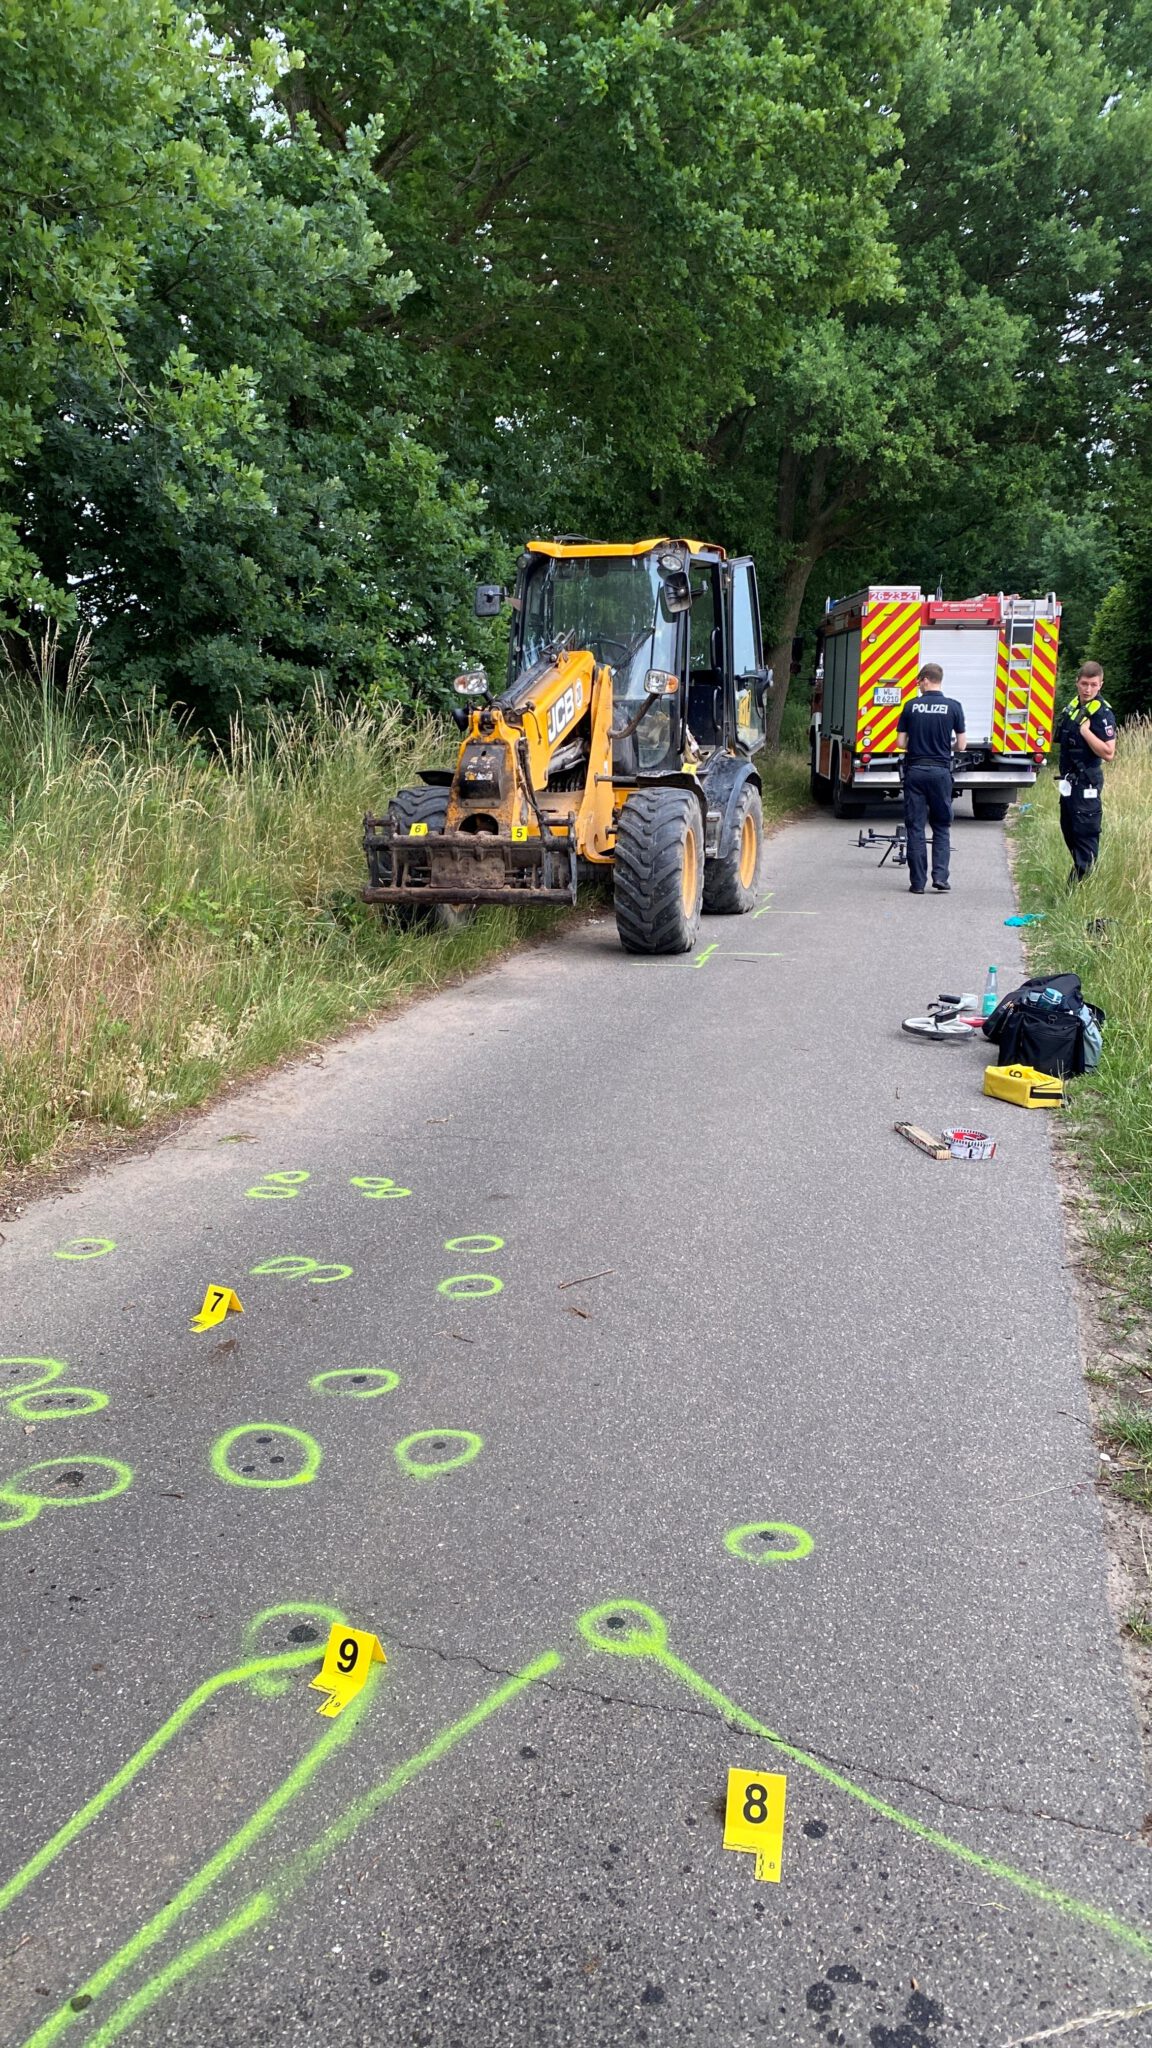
pixel 991 996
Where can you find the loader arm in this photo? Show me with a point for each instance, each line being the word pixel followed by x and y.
pixel 530 795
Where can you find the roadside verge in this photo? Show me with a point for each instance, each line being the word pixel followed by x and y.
pixel 173 919
pixel 1103 932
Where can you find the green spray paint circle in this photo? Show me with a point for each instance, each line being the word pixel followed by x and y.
pixel 14 1489
pixel 419 1468
pixel 755 1532
pixel 626 1627
pixel 37 1407
pixel 464 1287
pixel 223 1445
pixel 479 1243
pixel 266 1684
pixel 323 1382
pixel 53 1367
pixel 101 1246
pixel 26 1509
pixel 292 1266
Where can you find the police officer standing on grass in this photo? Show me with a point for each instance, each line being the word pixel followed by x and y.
pixel 930 729
pixel 1087 738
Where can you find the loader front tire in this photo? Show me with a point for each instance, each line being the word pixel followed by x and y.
pixel 659 871
pixel 730 879
pixel 423 806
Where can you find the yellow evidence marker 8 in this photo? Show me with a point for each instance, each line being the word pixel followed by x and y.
pixel 218 1302
pixel 348 1656
pixel 754 1818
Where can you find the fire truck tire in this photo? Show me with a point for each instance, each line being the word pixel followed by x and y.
pixel 843 805
pixel 993 812
pixel 659 872
pixel 429 807
pixel 730 879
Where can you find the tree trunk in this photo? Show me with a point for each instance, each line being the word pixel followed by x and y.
pixel 792 595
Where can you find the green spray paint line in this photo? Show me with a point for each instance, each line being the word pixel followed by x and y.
pixel 256 1670
pixel 706 954
pixel 217 1939
pixel 1079 1909
pixel 298 1869
pixel 647 1636
pixel 362 1809
pixel 237 1845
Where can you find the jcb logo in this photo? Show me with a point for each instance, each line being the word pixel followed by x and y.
pixel 564 711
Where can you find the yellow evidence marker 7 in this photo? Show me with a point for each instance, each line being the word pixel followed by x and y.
pixel 347 1657
pixel 218 1302
pixel 754 1818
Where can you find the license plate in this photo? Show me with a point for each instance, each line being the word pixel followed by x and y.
pixel 886 696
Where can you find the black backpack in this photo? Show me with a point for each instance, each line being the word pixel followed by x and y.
pixel 1046 1023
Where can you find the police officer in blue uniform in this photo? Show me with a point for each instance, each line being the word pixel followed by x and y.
pixel 930 729
pixel 1086 735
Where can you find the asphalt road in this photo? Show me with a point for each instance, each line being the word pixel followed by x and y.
pixel 716 1292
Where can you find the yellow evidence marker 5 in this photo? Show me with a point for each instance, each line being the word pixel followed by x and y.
pixel 218 1302
pixel 754 1818
pixel 347 1658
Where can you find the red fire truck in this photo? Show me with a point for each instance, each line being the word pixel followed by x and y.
pixel 998 655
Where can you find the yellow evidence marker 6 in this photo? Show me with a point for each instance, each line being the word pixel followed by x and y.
pixel 347 1657
pixel 754 1818
pixel 218 1302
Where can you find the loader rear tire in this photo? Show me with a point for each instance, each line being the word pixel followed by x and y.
pixel 423 806
pixel 730 879
pixel 659 871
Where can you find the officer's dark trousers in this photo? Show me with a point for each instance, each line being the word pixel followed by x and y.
pixel 928 795
pixel 1080 820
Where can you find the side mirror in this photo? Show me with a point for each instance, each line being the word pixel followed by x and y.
pixel 489 600
pixel 677 588
pixel 761 687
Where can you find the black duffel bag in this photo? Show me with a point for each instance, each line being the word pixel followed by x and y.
pixel 1046 1023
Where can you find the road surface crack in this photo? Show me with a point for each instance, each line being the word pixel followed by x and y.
pixel 566 1689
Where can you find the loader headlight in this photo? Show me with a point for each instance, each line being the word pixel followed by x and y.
pixel 472 682
pixel 660 682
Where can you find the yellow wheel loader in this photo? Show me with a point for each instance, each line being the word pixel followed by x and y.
pixel 622 744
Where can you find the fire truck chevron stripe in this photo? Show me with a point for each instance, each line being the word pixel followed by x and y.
pixel 1043 685
pixel 999 722
pixel 896 643
pixel 890 659
pixel 880 627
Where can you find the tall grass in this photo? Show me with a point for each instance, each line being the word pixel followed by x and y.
pixel 170 917
pixel 785 773
pixel 1103 931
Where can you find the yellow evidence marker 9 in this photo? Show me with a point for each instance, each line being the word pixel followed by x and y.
pixel 218 1302
pixel 349 1654
pixel 754 1818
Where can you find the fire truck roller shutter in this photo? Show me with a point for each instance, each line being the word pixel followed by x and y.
pixel 967 655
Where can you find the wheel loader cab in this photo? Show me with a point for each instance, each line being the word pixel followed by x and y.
pixel 621 745
pixel 619 606
pixel 727 683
